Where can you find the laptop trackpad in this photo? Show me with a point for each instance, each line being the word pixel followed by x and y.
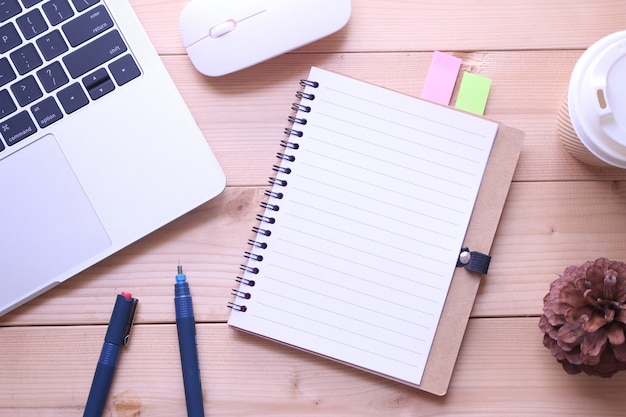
pixel 47 224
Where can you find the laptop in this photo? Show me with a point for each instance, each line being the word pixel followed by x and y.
pixel 97 147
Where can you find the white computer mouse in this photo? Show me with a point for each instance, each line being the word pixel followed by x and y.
pixel 224 36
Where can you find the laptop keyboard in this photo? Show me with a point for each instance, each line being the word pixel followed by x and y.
pixel 56 56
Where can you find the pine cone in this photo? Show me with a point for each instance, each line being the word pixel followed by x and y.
pixel 584 318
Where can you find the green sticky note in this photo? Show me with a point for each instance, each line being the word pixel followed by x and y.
pixel 473 93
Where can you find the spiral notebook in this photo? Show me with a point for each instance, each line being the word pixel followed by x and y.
pixel 354 255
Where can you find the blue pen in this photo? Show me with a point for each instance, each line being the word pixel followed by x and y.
pixel 186 326
pixel 116 336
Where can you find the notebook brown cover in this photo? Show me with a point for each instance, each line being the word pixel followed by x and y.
pixel 479 237
pixel 464 286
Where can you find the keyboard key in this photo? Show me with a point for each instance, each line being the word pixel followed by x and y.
pixel 72 98
pixel 94 54
pixel 87 26
pixel 47 112
pixel 6 72
pixel 30 3
pixel 98 84
pixel 26 91
pixel 26 58
pixel 7 105
pixel 52 45
pixel 101 89
pixel 84 4
pixel 124 69
pixel 92 80
pixel 57 11
pixel 17 127
pixel 32 24
pixel 8 9
pixel 52 77
pixel 9 38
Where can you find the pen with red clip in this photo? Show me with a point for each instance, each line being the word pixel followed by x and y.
pixel 116 336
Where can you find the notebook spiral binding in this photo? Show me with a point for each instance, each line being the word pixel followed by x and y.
pixel 274 196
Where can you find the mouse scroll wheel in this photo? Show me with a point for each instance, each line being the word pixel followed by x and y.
pixel 222 29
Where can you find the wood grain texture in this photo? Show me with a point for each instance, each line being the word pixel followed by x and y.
pixel 545 227
pixel 503 369
pixel 527 91
pixel 559 212
pixel 425 25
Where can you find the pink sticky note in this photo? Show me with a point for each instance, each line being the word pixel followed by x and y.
pixel 441 78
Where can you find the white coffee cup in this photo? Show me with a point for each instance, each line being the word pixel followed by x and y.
pixel 592 121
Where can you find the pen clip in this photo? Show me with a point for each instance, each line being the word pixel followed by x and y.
pixel 130 322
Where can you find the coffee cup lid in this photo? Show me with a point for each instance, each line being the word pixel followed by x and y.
pixel 597 99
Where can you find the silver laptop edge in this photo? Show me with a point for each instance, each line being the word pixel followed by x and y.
pixel 139 157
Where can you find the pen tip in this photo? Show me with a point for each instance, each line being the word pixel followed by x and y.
pixel 180 269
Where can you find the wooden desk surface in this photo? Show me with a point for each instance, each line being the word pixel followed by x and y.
pixel 558 213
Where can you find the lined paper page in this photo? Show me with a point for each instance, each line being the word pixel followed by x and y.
pixel 366 237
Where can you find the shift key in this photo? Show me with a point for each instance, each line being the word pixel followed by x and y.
pixel 94 54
